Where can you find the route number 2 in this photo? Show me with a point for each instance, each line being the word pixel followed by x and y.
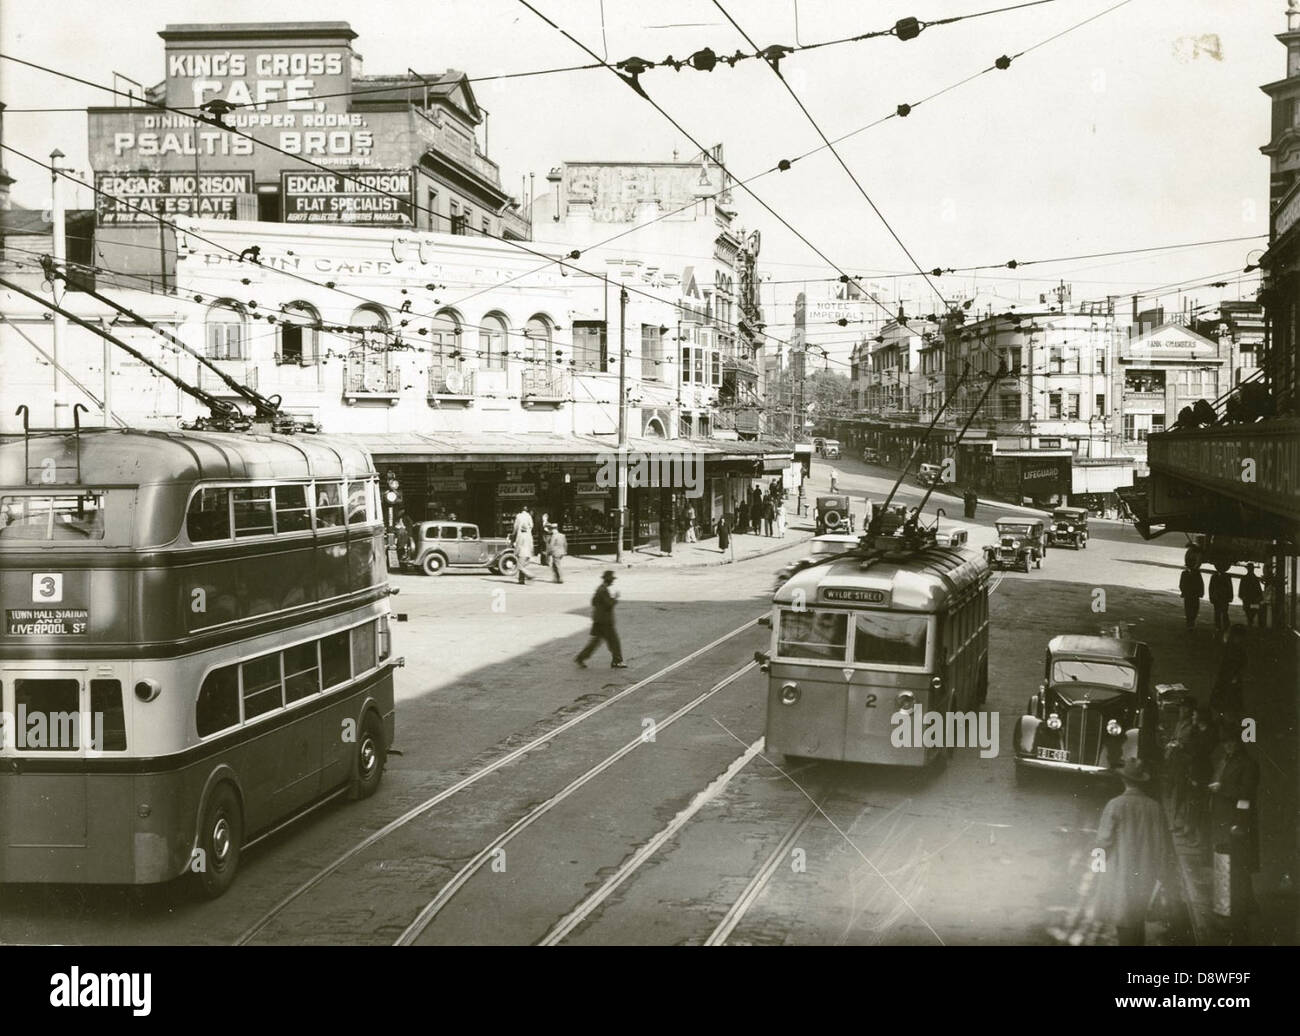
pixel 870 702
pixel 47 587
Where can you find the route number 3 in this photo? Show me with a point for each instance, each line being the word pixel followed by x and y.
pixel 47 587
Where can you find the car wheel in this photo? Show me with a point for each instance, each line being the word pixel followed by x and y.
pixel 370 758
pixel 433 564
pixel 508 565
pixel 221 833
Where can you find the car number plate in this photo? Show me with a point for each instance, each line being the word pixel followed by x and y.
pixel 1058 754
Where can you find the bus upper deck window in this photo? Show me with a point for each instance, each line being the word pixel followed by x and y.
pixel 291 511
pixel 209 516
pixel 252 511
pixel 329 504
pixel 357 496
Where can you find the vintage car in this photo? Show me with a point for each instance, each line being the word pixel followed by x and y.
pixel 1069 525
pixel 831 449
pixel 870 455
pixel 819 547
pixel 1021 542
pixel 833 515
pixel 1094 709
pixel 930 474
pixel 439 546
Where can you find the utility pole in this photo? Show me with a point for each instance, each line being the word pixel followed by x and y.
pixel 59 246
pixel 622 421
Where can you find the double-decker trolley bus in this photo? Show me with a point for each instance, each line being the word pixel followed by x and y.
pixel 866 635
pixel 195 647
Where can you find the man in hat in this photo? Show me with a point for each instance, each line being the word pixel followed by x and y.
pixel 1138 854
pixel 1220 596
pixel 1191 588
pixel 1251 593
pixel 602 624
pixel 557 546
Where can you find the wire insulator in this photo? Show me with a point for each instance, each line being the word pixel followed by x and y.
pixel 904 110
pixel 907 29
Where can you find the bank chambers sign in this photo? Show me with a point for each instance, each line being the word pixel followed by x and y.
pixel 290 92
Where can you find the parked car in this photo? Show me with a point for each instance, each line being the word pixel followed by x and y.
pixel 831 449
pixel 1069 525
pixel 443 545
pixel 833 515
pixel 819 547
pixel 953 536
pixel 1093 710
pixel 1021 543
pixel 931 474
pixel 870 455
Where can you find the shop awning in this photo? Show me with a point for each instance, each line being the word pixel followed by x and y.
pixel 548 448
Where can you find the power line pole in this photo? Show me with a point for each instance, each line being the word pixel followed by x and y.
pixel 622 421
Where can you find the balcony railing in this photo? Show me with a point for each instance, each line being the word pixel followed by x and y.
pixel 446 382
pixel 244 373
pixel 544 386
pixel 371 381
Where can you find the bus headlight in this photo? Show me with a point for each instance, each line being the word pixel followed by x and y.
pixel 1053 722
pixel 147 690
pixel 905 701
pixel 789 694
pixel 1113 728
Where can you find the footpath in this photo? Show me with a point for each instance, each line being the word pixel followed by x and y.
pixel 706 553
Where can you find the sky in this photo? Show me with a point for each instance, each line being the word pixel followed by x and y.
pixel 1140 128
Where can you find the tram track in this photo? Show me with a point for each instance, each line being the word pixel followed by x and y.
pixel 355 851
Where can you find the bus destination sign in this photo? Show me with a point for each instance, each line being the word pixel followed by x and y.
pixel 855 596
pixel 37 622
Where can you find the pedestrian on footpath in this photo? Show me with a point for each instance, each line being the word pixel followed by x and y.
pixel 1191 587
pixel 1201 743
pixel 834 480
pixel 724 534
pixel 1228 697
pixel 691 536
pixel 602 624
pixel 557 546
pixel 1220 596
pixel 1139 855
pixel 780 519
pixel 1251 593
pixel 1235 831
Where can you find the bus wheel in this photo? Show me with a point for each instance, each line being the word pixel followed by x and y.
pixel 220 841
pixel 434 564
pixel 370 757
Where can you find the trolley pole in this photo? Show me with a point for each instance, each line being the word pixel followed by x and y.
pixel 59 246
pixel 622 422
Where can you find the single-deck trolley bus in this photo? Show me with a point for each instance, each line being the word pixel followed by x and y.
pixel 880 630
pixel 195 647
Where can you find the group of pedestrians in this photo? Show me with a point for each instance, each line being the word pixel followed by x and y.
pixel 1210 788
pixel 1192 589
pixel 763 512
pixel 555 546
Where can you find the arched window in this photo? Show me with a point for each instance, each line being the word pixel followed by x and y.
pixel 444 339
pixel 300 334
pixel 227 333
pixel 492 345
pixel 537 349
pixel 368 368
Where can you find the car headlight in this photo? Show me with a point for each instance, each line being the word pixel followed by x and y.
pixel 1113 728
pixel 789 694
pixel 1069 528
pixel 1053 722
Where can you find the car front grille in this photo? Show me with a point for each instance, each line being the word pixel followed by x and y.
pixel 1083 735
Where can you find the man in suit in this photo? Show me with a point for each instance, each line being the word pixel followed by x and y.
pixel 602 624
pixel 557 546
pixel 1139 854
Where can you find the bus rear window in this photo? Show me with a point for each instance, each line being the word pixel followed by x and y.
pixel 218 705
pixel 889 638
pixel 301 672
pixel 363 648
pixel 74 517
pixel 52 713
pixel 107 715
pixel 209 516
pixel 336 662
pixel 807 634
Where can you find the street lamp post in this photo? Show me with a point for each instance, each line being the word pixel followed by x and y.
pixel 58 245
pixel 622 422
